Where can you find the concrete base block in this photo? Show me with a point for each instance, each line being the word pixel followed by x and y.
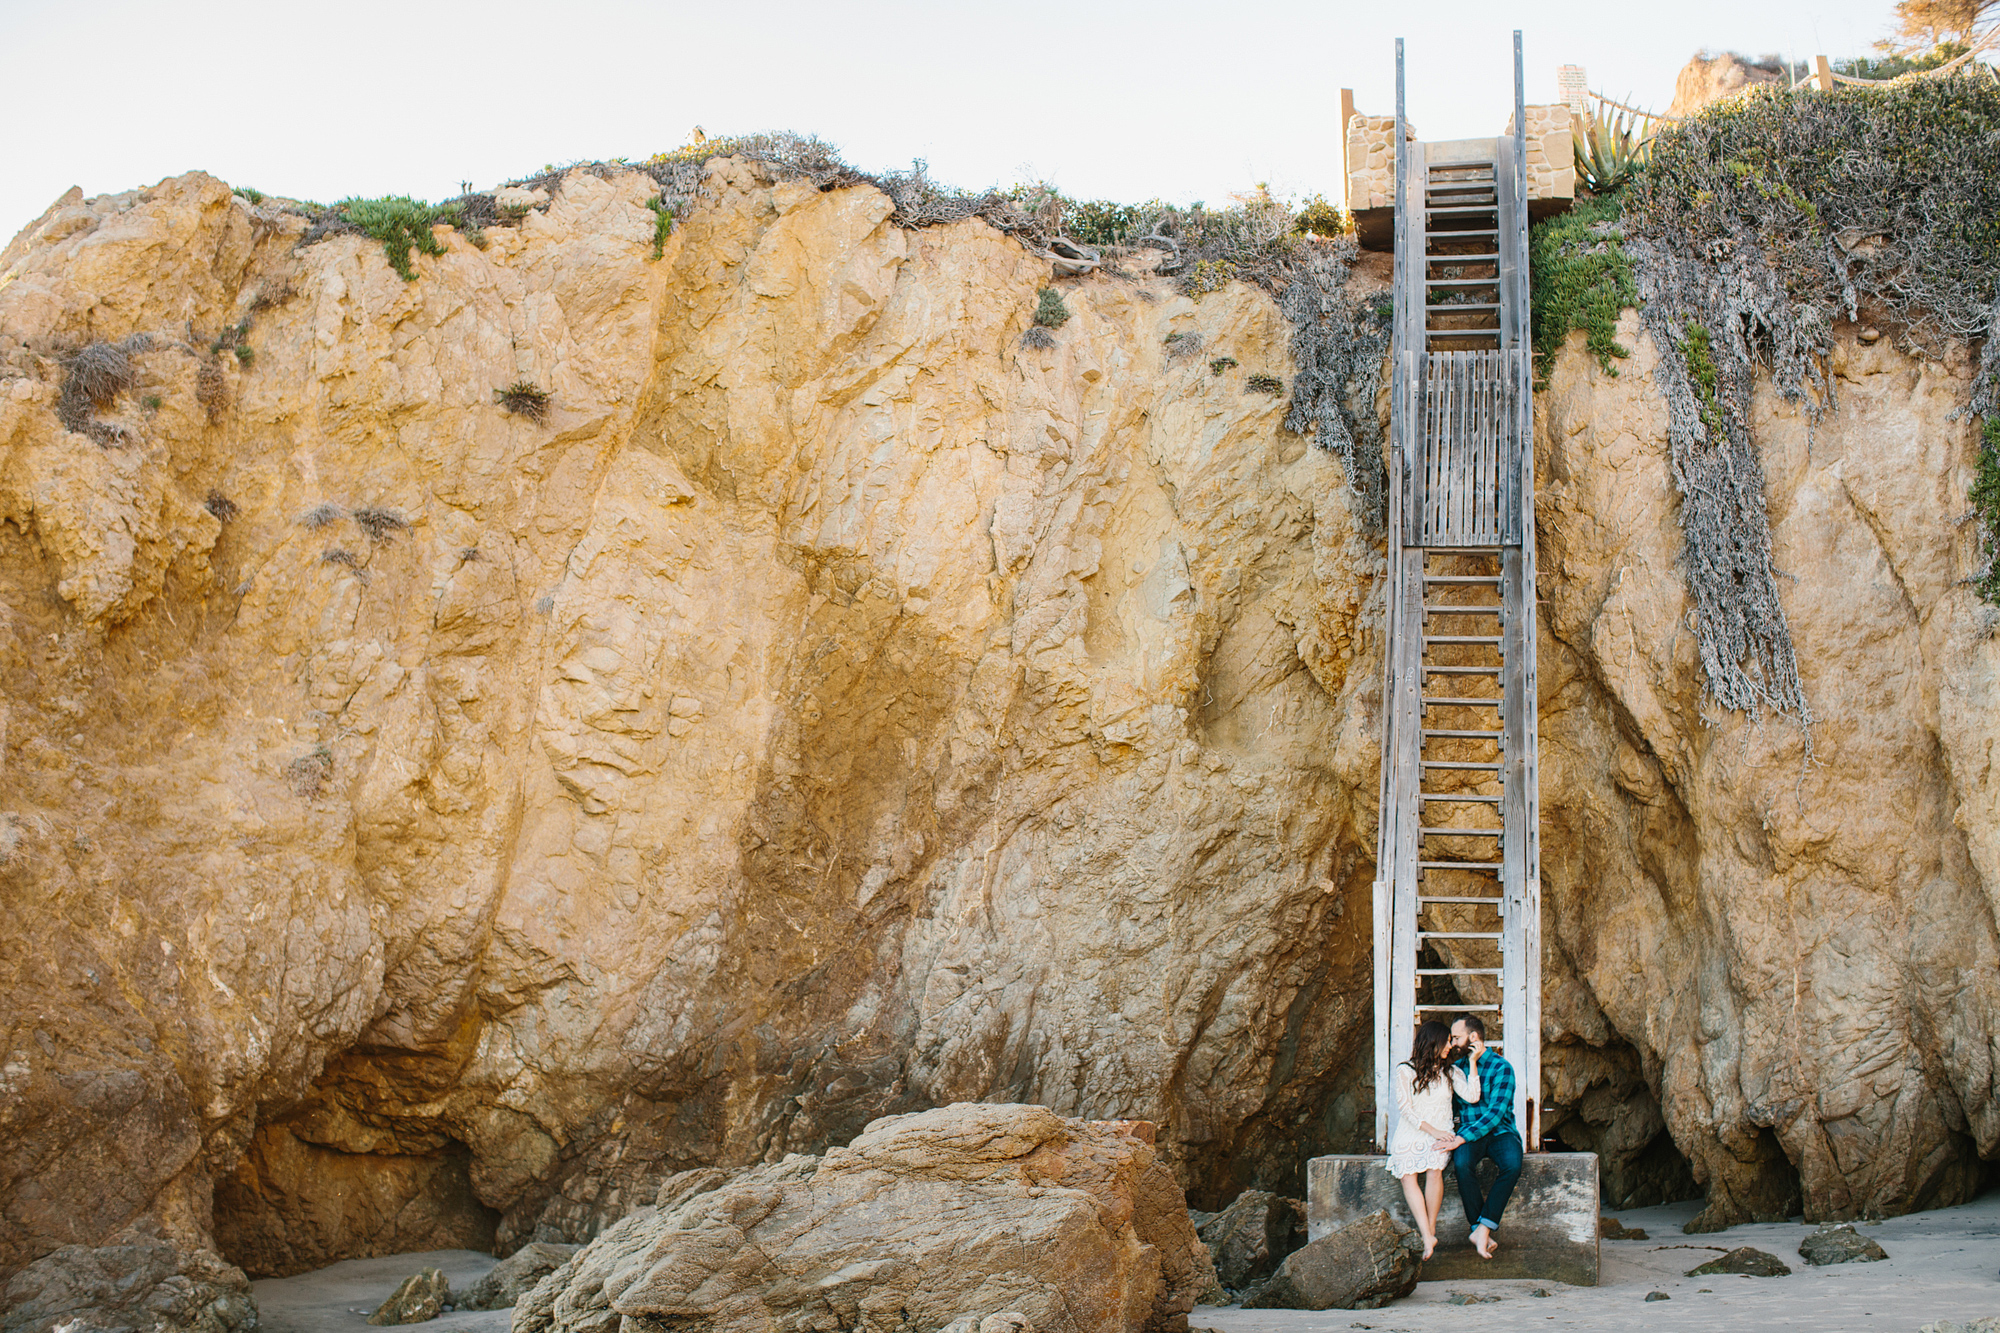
pixel 1549 1231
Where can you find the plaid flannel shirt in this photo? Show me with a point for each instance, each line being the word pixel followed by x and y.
pixel 1493 1113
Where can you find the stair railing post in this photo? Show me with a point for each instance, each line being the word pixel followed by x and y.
pixel 1390 806
pixel 1525 1027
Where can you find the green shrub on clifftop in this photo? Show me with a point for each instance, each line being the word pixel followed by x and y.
pixel 1580 278
pixel 400 223
pixel 663 225
pixel 1754 228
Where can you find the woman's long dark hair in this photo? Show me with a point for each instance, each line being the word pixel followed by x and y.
pixel 1428 1053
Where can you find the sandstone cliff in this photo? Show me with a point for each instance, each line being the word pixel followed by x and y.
pixel 1708 79
pixel 421 824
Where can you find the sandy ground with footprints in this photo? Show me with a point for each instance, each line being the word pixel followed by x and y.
pixel 1943 1264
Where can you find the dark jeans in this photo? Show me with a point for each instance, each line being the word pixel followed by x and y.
pixel 1505 1150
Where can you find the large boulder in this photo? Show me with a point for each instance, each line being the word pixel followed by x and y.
pixel 1362 1266
pixel 153 1286
pixel 1251 1237
pixel 960 1213
pixel 505 1283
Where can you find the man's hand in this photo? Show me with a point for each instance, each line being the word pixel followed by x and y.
pixel 1448 1143
pixel 1476 1045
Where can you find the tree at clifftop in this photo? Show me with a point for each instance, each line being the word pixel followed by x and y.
pixel 1925 25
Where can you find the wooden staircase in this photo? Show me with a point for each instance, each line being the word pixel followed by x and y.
pixel 1457 898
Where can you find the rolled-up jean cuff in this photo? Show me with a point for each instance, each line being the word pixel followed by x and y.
pixel 1489 1225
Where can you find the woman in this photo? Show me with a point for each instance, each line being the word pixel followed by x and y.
pixel 1423 1139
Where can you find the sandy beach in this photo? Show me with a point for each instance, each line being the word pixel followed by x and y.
pixel 1942 1265
pixel 339 1298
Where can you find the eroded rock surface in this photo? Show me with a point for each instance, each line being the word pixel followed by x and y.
pixel 1252 1236
pixel 1361 1266
pixel 971 1213
pixel 1798 956
pixel 1744 1261
pixel 832 709
pixel 147 1286
pixel 515 1275
pixel 1840 1245
pixel 417 1299
pixel 425 826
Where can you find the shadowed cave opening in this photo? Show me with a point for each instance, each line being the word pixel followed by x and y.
pixel 291 1205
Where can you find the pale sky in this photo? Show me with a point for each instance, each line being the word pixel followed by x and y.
pixel 1108 99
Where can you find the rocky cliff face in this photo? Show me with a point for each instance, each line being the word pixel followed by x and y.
pixel 422 824
pixel 1706 80
pixel 1798 945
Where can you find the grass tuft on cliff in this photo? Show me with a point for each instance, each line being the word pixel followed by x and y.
pixel 663 225
pixel 1580 279
pixel 524 399
pixel 400 223
pixel 93 377
pixel 1985 497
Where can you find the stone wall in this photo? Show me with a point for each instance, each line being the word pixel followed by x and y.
pixel 1371 156
pixel 1551 155
pixel 1371 160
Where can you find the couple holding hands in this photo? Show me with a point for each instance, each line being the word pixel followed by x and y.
pixel 1450 1077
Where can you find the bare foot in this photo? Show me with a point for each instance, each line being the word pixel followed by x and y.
pixel 1482 1241
pixel 1430 1243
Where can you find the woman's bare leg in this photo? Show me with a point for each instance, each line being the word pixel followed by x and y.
pixel 1434 1196
pixel 1413 1195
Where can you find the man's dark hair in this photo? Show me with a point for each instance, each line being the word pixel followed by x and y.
pixel 1475 1025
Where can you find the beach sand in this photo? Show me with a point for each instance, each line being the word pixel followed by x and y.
pixel 339 1298
pixel 1941 1265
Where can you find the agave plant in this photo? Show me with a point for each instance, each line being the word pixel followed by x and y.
pixel 1610 150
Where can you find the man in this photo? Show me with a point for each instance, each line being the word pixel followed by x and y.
pixel 1485 1129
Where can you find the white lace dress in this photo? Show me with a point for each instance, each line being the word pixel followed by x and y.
pixel 1410 1148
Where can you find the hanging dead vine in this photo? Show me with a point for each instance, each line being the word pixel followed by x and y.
pixel 1754 227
